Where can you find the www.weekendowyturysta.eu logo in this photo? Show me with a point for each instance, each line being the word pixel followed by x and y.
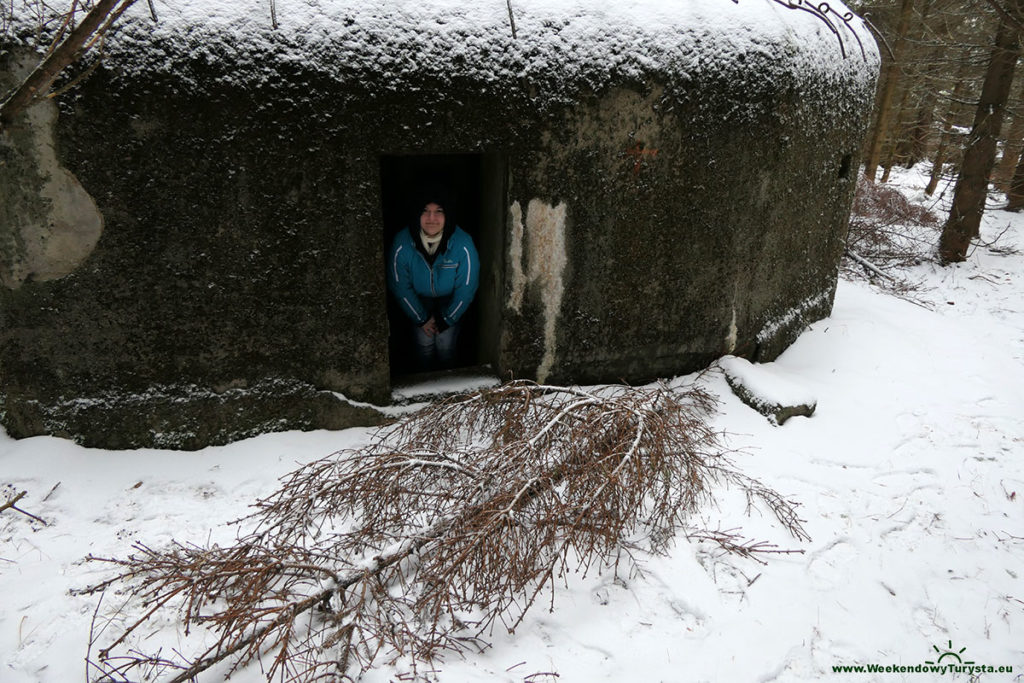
pixel 946 660
pixel 949 654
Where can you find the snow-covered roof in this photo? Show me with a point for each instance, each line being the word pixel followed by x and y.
pixel 573 39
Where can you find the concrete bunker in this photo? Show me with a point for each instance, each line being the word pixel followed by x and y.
pixel 650 195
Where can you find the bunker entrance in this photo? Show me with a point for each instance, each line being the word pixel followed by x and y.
pixel 475 187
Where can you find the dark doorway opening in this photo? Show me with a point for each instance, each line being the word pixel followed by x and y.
pixel 476 185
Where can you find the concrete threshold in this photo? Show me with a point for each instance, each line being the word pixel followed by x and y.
pixel 424 387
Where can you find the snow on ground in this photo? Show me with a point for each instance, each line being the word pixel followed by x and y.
pixel 910 477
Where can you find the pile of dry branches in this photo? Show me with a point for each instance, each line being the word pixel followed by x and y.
pixel 452 521
pixel 887 231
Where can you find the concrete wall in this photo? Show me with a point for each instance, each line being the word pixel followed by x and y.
pixel 191 257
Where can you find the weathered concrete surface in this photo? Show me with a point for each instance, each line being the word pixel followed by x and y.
pixel 225 263
pixel 652 224
pixel 48 222
pixel 188 417
pixel 694 227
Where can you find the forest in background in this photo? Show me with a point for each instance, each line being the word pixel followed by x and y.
pixel 938 57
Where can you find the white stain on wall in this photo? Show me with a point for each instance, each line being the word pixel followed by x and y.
pixel 55 242
pixel 515 258
pixel 731 337
pixel 540 238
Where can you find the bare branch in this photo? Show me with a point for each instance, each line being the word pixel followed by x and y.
pixel 95 23
pixel 511 18
pixel 868 264
pixel 1014 19
pixel 886 231
pixel 11 504
pixel 12 501
pixel 450 522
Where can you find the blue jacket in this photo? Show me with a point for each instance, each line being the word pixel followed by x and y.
pixel 444 288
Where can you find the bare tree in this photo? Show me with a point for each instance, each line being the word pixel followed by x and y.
pixel 939 49
pixel 912 145
pixel 887 87
pixel 1002 174
pixel 1015 192
pixel 452 522
pixel 972 183
pixel 942 151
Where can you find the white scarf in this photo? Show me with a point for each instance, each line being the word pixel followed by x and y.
pixel 431 243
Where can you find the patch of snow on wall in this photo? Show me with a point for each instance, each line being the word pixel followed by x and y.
pixel 772 327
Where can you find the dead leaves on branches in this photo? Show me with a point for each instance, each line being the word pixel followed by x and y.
pixel 452 522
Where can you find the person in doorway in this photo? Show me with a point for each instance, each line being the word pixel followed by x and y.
pixel 433 273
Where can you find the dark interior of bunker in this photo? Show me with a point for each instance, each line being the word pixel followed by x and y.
pixel 474 184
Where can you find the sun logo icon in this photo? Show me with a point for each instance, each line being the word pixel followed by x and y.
pixel 948 652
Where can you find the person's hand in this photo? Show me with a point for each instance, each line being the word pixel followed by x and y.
pixel 430 327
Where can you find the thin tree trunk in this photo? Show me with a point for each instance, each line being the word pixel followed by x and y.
pixel 70 50
pixel 1004 171
pixel 1012 146
pixel 942 152
pixel 979 158
pixel 917 141
pixel 894 148
pixel 912 147
pixel 937 164
pixel 914 138
pixel 890 77
pixel 1015 195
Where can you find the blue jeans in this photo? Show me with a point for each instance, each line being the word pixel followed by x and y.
pixel 437 351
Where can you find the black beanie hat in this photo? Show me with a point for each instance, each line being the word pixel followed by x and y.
pixel 433 193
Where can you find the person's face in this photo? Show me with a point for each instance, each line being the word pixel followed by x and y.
pixel 432 219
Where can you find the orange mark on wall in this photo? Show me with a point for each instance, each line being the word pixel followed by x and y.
pixel 640 156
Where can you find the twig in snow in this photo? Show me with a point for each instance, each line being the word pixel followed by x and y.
pixel 11 504
pixel 868 264
pixel 11 501
pixel 1001 250
pixel 731 542
pixel 54 488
